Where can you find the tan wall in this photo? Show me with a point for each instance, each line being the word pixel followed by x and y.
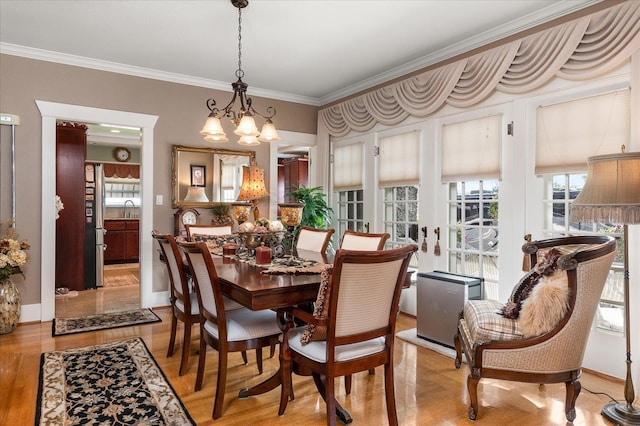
pixel 180 108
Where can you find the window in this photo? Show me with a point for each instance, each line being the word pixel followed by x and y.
pixel 398 176
pixel 473 232
pixel 401 217
pixel 471 154
pixel 567 133
pixel 118 190
pixel 349 214
pixel 348 187
pixel 560 191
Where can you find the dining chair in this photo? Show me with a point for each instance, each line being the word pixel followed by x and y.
pixel 183 299
pixel 352 240
pixel 184 304
pixel 360 326
pixel 225 330
pixel 214 230
pixel 314 239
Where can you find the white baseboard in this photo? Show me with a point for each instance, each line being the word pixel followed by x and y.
pixel 30 313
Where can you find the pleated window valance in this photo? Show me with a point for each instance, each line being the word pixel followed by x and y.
pixel 348 167
pixel 581 49
pixel 399 160
pixel 471 149
pixel 122 170
pixel 568 133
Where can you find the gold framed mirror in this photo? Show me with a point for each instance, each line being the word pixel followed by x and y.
pixel 202 177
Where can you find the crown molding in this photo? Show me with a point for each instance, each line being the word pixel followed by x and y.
pixel 97 64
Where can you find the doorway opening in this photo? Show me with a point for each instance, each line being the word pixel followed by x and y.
pixel 51 112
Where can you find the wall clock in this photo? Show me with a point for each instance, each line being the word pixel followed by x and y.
pixel 184 217
pixel 122 154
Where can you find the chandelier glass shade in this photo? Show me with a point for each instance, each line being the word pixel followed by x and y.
pixel 243 118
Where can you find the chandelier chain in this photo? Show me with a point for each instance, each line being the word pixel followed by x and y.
pixel 242 118
pixel 239 72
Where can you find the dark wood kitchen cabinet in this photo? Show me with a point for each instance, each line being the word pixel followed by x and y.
pixel 122 240
pixel 71 143
pixel 295 173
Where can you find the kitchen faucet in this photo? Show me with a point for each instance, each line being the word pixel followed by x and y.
pixel 124 212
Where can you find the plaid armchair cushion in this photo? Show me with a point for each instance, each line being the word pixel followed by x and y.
pixel 485 323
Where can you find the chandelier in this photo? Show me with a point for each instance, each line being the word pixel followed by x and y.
pixel 243 119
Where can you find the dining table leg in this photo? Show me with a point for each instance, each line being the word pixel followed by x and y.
pixel 341 412
pixel 275 381
pixel 263 387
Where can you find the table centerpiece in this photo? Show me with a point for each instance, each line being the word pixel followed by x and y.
pixel 261 232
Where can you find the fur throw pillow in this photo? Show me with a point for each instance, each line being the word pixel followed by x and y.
pixel 546 266
pixel 546 305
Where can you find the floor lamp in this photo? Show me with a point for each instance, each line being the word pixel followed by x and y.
pixel 612 194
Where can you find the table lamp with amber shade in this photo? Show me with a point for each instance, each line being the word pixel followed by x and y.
pixel 611 194
pixel 252 187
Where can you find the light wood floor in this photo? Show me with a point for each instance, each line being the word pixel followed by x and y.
pixel 121 292
pixel 429 390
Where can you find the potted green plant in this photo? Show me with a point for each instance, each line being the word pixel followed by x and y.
pixel 221 214
pixel 316 212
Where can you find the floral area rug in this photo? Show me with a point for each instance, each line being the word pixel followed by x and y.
pixel 63 326
pixel 116 383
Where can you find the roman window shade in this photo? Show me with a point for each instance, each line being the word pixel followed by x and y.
pixel 226 179
pixel 567 133
pixel 399 160
pixel 347 167
pixel 471 149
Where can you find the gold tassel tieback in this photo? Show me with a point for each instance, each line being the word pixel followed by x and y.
pixel 526 260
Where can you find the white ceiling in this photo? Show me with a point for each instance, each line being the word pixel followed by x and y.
pixel 307 51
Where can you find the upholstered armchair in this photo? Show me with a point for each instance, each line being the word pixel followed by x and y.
pixel 535 347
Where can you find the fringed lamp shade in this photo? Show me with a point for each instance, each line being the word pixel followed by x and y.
pixel 612 190
pixel 252 184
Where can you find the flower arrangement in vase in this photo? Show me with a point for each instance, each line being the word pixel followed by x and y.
pixel 13 255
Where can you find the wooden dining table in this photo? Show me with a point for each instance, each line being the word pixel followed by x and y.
pixel 251 287
pixel 248 285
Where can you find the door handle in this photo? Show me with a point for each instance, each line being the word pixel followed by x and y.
pixel 366 227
